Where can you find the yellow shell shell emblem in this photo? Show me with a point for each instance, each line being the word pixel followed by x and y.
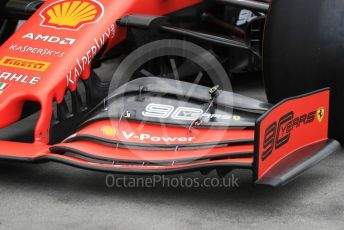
pixel 109 131
pixel 236 118
pixel 321 114
pixel 71 14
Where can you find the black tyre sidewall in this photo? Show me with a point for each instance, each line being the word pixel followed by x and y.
pixel 303 51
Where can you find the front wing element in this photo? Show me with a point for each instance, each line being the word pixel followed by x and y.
pixel 287 139
pixel 292 137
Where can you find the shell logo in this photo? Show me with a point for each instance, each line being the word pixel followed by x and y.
pixel 71 14
pixel 109 131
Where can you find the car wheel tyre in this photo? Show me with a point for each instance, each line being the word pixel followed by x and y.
pixel 303 50
pixel 7 28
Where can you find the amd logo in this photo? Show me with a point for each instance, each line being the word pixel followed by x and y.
pixel 50 39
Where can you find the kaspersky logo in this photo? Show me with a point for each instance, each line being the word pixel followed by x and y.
pixel 72 14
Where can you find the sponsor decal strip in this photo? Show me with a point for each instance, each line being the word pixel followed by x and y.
pixel 20 78
pixel 145 136
pixel 278 133
pixel 22 63
pixel 49 39
pixel 182 113
pixel 71 15
pixel 35 50
pixel 86 60
pixel 112 132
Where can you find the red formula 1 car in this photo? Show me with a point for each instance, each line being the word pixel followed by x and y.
pixel 169 106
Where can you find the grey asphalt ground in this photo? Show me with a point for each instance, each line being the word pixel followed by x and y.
pixel 54 196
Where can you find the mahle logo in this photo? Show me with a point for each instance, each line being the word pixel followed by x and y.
pixel 72 14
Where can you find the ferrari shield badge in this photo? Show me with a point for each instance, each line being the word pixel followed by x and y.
pixel 320 114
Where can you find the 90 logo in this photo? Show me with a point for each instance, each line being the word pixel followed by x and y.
pixel 278 133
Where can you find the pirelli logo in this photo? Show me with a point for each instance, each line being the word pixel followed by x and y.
pixel 22 63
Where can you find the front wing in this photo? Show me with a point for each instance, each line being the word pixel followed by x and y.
pixel 286 140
